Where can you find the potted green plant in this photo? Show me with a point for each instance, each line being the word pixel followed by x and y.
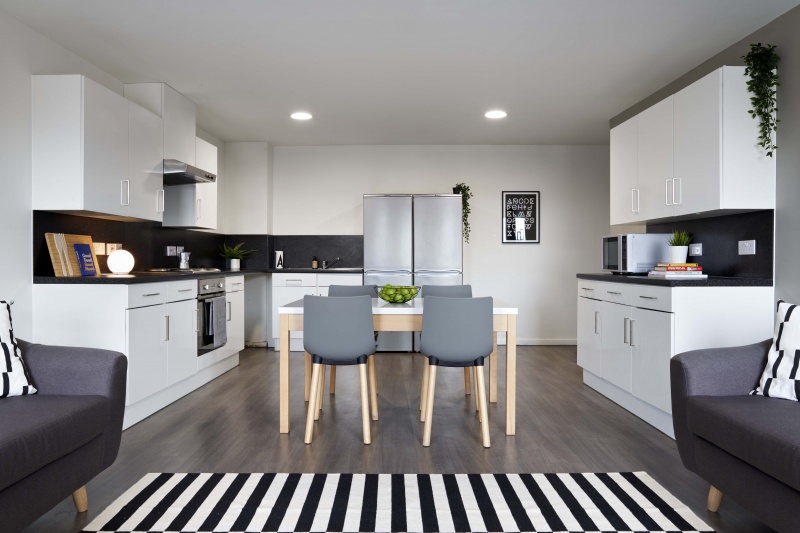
pixel 762 64
pixel 463 190
pixel 679 246
pixel 235 254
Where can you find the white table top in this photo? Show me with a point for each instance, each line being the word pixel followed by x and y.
pixel 381 307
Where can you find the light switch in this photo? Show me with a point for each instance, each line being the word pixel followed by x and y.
pixel 171 251
pixel 112 247
pixel 696 249
pixel 747 247
pixel 99 248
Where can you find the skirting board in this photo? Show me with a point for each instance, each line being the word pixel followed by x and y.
pixel 655 417
pixel 255 344
pixel 142 409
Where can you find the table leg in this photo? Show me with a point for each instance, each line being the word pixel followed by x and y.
pixel 493 370
pixel 307 374
pixel 511 376
pixel 284 374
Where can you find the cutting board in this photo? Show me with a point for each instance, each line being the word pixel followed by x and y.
pixel 65 262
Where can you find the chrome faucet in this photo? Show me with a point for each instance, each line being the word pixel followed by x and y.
pixel 325 263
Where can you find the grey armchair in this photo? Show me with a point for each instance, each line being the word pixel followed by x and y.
pixel 747 447
pixel 54 442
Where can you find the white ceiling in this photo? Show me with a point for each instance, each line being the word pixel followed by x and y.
pixel 404 71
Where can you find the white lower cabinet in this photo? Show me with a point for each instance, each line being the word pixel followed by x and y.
pixel 287 288
pixel 628 333
pixel 235 315
pixel 147 352
pixel 181 340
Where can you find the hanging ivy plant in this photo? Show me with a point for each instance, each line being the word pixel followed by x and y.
pixel 762 62
pixel 463 190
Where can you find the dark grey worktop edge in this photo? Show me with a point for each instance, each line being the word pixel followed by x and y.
pixel 712 281
pixel 155 278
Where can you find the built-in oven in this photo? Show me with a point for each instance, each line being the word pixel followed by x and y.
pixel 211 315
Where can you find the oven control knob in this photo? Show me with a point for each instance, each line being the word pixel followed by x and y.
pixel 206 287
pixel 219 285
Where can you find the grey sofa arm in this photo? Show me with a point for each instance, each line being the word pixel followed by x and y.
pixel 714 372
pixel 77 371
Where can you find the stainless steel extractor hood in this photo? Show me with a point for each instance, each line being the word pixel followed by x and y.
pixel 180 173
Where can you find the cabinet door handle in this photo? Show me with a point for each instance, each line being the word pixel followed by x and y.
pixel 125 192
pixel 666 192
pixel 294 282
pixel 625 331
pixel 633 324
pixel 633 209
pixel 229 311
pixel 613 292
pixel 596 322
pixel 160 201
pixel 166 328
pixel 680 192
pixel 648 297
pixel 197 320
pixel 186 290
pixel 151 294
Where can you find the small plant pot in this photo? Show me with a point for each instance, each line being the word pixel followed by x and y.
pixel 234 264
pixel 677 254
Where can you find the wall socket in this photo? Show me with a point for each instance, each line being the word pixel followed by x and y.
pixel 171 251
pixel 747 247
pixel 179 249
pixel 99 248
pixel 112 247
pixel 696 249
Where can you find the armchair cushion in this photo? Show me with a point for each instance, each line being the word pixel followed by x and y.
pixel 780 378
pixel 36 430
pixel 14 377
pixel 764 432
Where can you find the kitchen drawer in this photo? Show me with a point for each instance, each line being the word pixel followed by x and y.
pixel 294 280
pixel 141 295
pixel 234 283
pixel 656 298
pixel 182 290
pixel 589 289
pixel 326 280
pixel 618 293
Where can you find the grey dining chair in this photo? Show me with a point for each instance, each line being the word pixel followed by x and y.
pixel 337 331
pixel 456 332
pixel 446 291
pixel 339 291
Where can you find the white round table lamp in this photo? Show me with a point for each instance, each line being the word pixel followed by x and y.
pixel 120 262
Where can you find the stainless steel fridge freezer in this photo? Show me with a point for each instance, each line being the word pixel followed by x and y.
pixel 438 245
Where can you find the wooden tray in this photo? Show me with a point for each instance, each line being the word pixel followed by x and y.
pixel 70 267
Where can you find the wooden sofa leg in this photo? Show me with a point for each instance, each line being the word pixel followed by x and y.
pixel 714 499
pixel 80 499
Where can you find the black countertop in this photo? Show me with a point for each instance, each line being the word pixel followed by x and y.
pixel 712 281
pixel 150 277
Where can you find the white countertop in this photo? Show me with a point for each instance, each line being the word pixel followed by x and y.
pixel 381 307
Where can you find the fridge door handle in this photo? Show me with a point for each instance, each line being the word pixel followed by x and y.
pixel 402 271
pixel 424 271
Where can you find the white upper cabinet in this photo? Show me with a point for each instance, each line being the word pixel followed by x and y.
pixel 145 164
pixel 206 155
pixel 79 146
pixel 696 152
pixel 179 114
pixel 194 205
pixel 624 188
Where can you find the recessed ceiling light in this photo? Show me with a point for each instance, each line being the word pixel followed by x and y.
pixel 301 115
pixel 495 113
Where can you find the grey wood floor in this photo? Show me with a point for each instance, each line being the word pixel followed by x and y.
pixel 231 425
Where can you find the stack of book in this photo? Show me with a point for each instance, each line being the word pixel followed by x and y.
pixel 677 271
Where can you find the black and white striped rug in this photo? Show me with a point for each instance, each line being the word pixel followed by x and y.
pixel 397 502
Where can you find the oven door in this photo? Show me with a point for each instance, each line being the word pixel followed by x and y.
pixel 209 338
pixel 612 253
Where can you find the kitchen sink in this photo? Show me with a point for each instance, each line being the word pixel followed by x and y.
pixel 171 271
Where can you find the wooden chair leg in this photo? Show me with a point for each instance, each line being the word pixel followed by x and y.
pixel 320 390
pixel 362 371
pixel 307 375
pixel 373 386
pixel 312 404
pixel 80 499
pixel 480 384
pixel 467 381
pixel 333 380
pixel 426 432
pixel 424 392
pixel 714 499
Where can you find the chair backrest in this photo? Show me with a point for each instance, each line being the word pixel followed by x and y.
pixel 338 328
pixel 446 291
pixel 457 329
pixel 352 290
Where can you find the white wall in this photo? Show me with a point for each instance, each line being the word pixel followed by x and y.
pixel 318 190
pixel 248 188
pixel 24 52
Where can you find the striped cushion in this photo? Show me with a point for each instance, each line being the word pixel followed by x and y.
pixel 780 378
pixel 14 378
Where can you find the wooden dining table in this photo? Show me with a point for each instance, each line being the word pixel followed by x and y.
pixel 405 317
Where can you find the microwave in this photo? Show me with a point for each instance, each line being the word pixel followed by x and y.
pixel 634 252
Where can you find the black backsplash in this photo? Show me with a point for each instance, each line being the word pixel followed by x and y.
pixel 720 237
pixel 147 241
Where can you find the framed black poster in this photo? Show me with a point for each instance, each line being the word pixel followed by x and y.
pixel 521 216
